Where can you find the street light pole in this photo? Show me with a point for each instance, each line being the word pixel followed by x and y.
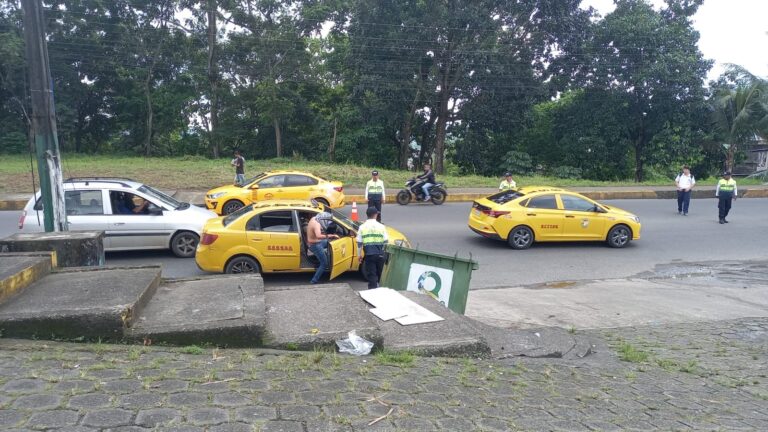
pixel 43 117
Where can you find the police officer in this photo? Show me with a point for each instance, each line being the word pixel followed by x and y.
pixel 725 192
pixel 371 239
pixel 508 183
pixel 374 193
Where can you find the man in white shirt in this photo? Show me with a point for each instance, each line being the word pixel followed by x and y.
pixel 684 183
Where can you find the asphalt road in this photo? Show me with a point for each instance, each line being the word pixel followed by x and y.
pixel 666 238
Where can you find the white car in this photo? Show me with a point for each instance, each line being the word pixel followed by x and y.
pixel 132 215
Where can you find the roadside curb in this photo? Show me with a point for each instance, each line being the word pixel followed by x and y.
pixel 12 204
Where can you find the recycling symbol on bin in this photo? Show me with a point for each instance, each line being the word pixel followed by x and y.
pixel 431 288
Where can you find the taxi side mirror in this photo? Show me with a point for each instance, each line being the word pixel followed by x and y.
pixel 598 209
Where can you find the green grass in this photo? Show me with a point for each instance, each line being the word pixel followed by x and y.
pixel 402 358
pixel 628 353
pixel 192 349
pixel 198 173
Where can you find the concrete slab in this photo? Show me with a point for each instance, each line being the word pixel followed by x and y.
pixel 226 310
pixel 85 302
pixel 17 272
pixel 73 248
pixel 619 302
pixel 311 316
pixel 454 337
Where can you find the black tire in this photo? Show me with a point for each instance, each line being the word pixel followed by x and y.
pixel 242 264
pixel 437 196
pixel 323 201
pixel 403 197
pixel 184 244
pixel 520 237
pixel 231 206
pixel 619 236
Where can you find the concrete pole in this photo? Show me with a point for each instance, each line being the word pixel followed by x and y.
pixel 43 117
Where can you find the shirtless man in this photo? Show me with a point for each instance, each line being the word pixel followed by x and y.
pixel 318 243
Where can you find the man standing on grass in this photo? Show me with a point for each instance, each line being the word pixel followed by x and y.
pixel 684 182
pixel 239 163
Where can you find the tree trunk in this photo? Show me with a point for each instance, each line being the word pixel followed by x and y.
pixel 278 138
pixel 405 140
pixel 213 78
pixel 425 148
pixel 332 147
pixel 150 115
pixel 440 132
pixel 729 157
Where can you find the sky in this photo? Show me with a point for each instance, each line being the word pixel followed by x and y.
pixel 732 31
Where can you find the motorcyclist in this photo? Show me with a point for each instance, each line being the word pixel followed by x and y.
pixel 428 177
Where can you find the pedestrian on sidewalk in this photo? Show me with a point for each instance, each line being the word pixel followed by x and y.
pixel 318 243
pixel 371 240
pixel 726 193
pixel 239 163
pixel 684 182
pixel 374 193
pixel 508 183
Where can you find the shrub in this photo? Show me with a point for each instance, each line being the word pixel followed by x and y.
pixel 567 172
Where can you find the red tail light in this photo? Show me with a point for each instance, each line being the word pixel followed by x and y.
pixel 21 219
pixel 495 213
pixel 338 188
pixel 208 239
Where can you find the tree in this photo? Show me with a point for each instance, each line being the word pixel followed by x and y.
pixel 650 60
pixel 740 109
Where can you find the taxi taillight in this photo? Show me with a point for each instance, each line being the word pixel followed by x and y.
pixel 208 239
pixel 21 219
pixel 338 188
pixel 495 213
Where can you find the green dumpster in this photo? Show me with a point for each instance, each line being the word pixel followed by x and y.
pixel 446 278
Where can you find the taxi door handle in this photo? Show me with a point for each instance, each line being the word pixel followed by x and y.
pixel 531 214
pixel 570 216
pixel 256 239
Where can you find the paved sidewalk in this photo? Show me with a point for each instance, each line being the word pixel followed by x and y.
pixel 704 376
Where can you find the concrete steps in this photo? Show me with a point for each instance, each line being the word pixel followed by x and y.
pixel 19 270
pixel 217 310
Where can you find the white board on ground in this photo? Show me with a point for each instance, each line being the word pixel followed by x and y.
pixel 390 300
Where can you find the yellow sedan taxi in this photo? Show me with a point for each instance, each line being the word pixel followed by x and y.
pixel 275 185
pixel 271 237
pixel 544 214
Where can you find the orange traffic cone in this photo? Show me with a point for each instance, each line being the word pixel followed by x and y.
pixel 353 216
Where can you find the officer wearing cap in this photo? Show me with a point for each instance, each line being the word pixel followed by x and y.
pixel 507 183
pixel 371 239
pixel 725 192
pixel 374 193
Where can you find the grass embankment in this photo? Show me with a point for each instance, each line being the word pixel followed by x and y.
pixel 197 173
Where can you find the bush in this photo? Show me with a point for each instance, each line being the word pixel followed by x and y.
pixel 567 172
pixel 516 162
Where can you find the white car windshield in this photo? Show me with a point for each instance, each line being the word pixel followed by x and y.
pixel 160 196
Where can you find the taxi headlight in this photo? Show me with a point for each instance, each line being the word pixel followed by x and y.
pixel 635 218
pixel 217 195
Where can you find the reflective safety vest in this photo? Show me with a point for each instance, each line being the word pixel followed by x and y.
pixel 374 189
pixel 726 187
pixel 373 237
pixel 507 185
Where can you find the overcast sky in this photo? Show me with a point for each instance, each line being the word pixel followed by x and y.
pixel 732 31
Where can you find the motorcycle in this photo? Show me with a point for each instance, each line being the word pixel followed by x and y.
pixel 412 190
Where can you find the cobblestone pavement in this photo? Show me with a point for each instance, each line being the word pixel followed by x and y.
pixel 708 376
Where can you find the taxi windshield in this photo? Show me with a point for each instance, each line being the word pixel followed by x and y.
pixel 252 179
pixel 505 196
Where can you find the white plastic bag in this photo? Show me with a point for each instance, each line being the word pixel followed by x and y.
pixel 354 345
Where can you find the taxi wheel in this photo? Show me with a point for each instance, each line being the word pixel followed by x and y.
pixel 619 236
pixel 521 237
pixel 242 264
pixel 231 207
pixel 184 244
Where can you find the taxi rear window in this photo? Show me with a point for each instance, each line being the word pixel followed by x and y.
pixel 505 197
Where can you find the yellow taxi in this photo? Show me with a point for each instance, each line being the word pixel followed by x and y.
pixel 271 237
pixel 545 214
pixel 275 185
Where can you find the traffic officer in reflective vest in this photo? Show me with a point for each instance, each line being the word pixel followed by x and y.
pixel 508 183
pixel 371 239
pixel 725 192
pixel 374 193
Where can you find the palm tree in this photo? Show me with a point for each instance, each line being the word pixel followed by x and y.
pixel 740 108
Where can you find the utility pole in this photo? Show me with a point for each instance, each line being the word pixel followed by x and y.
pixel 44 117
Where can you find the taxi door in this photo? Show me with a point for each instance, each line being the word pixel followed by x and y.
pixel 296 187
pixel 274 237
pixel 545 217
pixel 268 188
pixel 342 255
pixel 582 221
